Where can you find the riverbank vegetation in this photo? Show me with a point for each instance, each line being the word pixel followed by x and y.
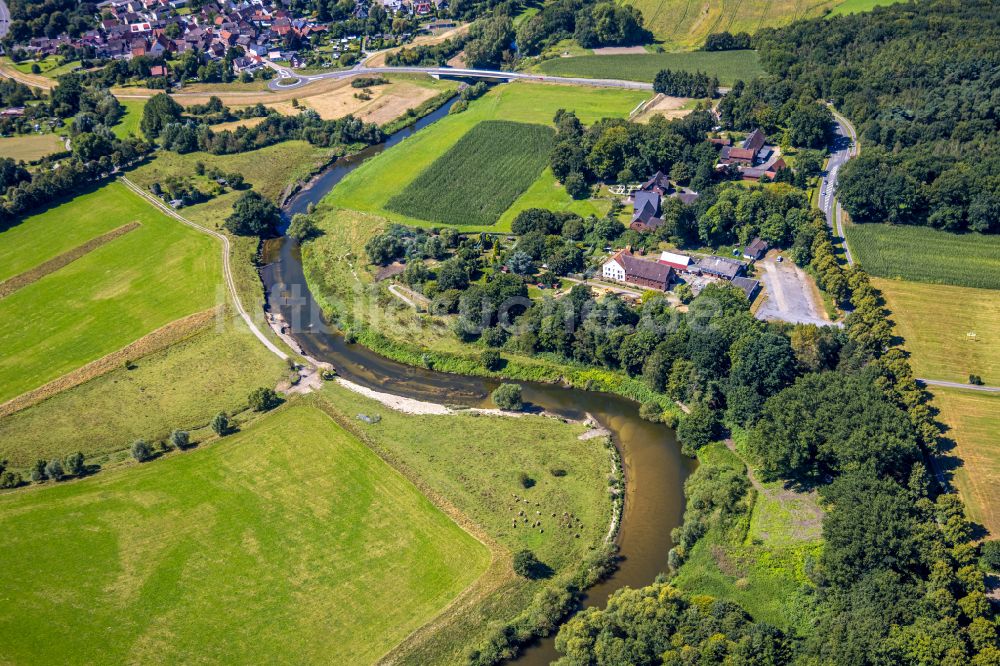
pixel 267 499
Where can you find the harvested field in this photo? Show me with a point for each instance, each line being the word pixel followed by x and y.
pixel 619 50
pixel 935 321
pixel 479 177
pixel 30 147
pixel 973 421
pixel 663 105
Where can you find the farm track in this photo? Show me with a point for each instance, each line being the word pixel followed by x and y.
pixel 226 267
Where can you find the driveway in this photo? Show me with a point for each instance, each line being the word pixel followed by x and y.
pixel 791 295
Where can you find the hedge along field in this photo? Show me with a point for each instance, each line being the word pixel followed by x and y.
pixel 369 187
pixel 101 302
pixel 290 541
pixel 480 176
pixel 728 66
pixel 922 254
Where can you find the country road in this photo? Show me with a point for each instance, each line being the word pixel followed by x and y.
pixel 959 385
pixel 845 146
pixel 4 19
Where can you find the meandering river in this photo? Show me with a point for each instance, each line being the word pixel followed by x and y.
pixel 654 467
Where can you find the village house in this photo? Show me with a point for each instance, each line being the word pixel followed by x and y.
pixel 679 262
pixel 647 201
pixel 623 266
pixel 754 158
pixel 755 250
pixel 721 267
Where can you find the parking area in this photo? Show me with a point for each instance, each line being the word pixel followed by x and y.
pixel 790 294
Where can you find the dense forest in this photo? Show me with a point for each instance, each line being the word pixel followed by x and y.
pixel 48 18
pixel 921 83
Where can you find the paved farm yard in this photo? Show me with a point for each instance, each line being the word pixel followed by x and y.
pixel 288 543
pixel 791 294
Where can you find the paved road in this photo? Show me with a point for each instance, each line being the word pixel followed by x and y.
pixel 227 270
pixel 959 385
pixel 845 146
pixel 4 19
pixel 302 80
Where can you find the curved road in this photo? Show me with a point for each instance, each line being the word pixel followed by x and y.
pixel 4 19
pixel 302 80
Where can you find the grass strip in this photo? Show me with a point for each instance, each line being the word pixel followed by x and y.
pixel 150 343
pixel 10 285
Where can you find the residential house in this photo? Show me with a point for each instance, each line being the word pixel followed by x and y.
pixel 755 250
pixel 623 266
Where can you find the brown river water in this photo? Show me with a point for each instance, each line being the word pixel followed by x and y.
pixel 654 468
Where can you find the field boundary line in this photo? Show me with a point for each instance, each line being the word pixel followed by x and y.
pixel 496 574
pixel 226 269
pixel 154 341
pixel 22 280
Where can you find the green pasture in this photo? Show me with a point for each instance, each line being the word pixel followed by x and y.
pixel 923 254
pixel 474 462
pixel 288 542
pixel 370 187
pixel 50 66
pixel 155 274
pixel 546 192
pixel 30 147
pixel 728 66
pixel 180 387
pixel 480 176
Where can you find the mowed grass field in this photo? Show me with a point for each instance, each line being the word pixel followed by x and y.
pixel 30 147
pixel 935 321
pixel 857 6
pixel 728 66
pixel 686 23
pixel 474 462
pixel 973 421
pixel 129 123
pixel 117 293
pixel 181 387
pixel 480 176
pixel 289 542
pixel 370 187
pixel 922 254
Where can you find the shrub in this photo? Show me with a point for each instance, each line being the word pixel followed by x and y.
pixel 141 450
pixel 976 380
pixel 526 564
pixel 525 480
pixel 494 336
pixel 74 464
pixel 221 424
pixel 54 470
pixel 263 399
pixel 508 397
pixel 651 411
pixel 697 429
pixel 557 471
pixel 38 471
pixel 685 293
pixel 180 439
pixel 491 360
pixel 10 479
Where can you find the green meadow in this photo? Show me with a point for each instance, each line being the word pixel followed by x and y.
pixel 151 276
pixel 370 187
pixel 728 66
pixel 288 542
pixel 180 387
pixel 129 123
